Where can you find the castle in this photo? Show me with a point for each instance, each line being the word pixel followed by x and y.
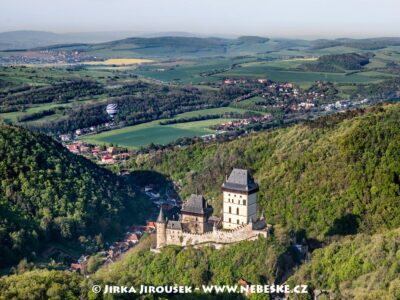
pixel 238 221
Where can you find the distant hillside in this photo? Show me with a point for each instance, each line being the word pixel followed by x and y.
pixel 338 63
pixel 362 44
pixel 177 44
pixel 27 39
pixel 336 175
pixel 48 194
pixel 30 39
pixel 173 46
pixel 359 267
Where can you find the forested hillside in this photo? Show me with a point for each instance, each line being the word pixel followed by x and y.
pixel 338 63
pixel 360 267
pixel 48 194
pixel 41 284
pixel 336 175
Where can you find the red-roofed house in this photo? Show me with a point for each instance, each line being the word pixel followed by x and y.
pixel 107 160
pixel 133 238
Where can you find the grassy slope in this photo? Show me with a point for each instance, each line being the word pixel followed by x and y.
pixel 337 176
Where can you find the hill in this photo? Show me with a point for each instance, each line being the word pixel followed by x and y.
pixel 361 44
pixel 359 267
pixel 171 46
pixel 28 39
pixel 338 63
pixel 336 175
pixel 49 195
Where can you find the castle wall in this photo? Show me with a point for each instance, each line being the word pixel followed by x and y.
pixel 215 237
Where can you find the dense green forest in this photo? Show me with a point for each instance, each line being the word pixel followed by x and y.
pixel 49 194
pixel 41 284
pixel 359 267
pixel 338 62
pixel 336 175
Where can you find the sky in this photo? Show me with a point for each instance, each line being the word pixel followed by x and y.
pixel 282 18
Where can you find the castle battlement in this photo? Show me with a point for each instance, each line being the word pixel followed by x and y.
pixel 240 192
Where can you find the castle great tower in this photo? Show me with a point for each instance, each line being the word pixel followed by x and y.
pixel 239 199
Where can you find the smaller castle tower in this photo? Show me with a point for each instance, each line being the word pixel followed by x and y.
pixel 161 226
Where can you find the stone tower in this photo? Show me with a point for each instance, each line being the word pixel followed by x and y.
pixel 195 213
pixel 161 225
pixel 240 199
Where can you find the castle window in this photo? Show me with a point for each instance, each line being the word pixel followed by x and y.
pixel 237 221
pixel 230 209
pixel 230 220
pixel 244 202
pixel 237 211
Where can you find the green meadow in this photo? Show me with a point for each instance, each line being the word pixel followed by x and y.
pixel 152 132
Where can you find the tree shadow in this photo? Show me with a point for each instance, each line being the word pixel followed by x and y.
pixel 148 177
pixel 159 183
pixel 345 225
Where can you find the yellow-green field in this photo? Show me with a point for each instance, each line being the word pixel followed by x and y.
pixel 120 61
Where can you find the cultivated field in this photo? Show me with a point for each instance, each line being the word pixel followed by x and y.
pixel 120 61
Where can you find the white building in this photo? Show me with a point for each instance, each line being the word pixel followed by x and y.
pixel 239 199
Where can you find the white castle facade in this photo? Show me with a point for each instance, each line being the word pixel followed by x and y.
pixel 238 221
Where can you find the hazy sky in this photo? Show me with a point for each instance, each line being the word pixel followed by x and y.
pixel 305 18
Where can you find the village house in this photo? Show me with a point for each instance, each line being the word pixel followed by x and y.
pixel 65 137
pixel 107 160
